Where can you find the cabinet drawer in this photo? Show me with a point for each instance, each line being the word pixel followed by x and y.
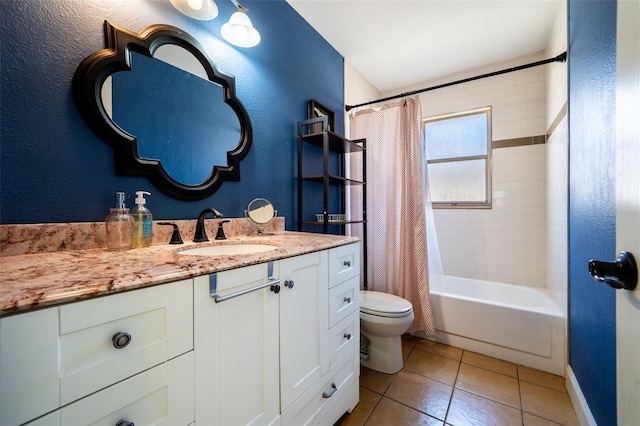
pixel 317 401
pixel 73 348
pixel 344 336
pixel 343 300
pixel 161 395
pixel 344 263
pixel 158 319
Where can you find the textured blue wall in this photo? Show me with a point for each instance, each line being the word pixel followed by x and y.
pixel 55 169
pixel 592 204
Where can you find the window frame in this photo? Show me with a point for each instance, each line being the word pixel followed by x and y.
pixel 487 203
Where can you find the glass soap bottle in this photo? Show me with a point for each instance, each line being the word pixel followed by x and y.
pixel 142 222
pixel 119 225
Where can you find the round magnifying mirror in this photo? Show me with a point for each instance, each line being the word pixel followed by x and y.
pixel 260 211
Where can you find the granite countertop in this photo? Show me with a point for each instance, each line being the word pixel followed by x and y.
pixel 39 280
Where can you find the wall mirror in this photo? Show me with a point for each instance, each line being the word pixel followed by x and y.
pixel 168 112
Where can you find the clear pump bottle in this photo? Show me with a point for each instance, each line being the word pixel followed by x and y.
pixel 119 225
pixel 142 222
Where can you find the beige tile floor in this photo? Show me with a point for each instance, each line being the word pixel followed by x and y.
pixel 444 385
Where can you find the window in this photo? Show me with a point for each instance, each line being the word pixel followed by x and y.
pixel 458 150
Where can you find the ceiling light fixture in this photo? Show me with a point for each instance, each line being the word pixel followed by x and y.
pixel 239 31
pixel 203 10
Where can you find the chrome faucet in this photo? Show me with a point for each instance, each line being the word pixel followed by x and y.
pixel 201 234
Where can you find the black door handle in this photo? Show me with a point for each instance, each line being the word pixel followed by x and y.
pixel 623 273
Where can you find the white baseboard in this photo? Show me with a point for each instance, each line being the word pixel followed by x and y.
pixel 583 412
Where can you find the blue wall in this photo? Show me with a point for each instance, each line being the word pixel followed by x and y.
pixel 592 204
pixel 55 169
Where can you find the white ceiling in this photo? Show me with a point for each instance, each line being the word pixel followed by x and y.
pixel 396 43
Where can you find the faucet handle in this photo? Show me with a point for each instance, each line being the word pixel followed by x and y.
pixel 220 235
pixel 175 237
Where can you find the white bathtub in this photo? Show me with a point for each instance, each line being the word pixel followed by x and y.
pixel 514 323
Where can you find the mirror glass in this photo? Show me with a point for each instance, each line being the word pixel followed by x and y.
pixel 168 113
pixel 260 211
pixel 188 116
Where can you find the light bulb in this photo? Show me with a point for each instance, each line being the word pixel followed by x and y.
pixel 195 4
pixel 239 31
pixel 197 9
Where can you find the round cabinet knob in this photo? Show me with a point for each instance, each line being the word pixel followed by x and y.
pixel 125 422
pixel 347 263
pixel 347 336
pixel 289 284
pixel 275 288
pixel 347 299
pixel 121 340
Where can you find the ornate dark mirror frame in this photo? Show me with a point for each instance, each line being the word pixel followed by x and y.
pixel 87 85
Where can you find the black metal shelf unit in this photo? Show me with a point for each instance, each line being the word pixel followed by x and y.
pixel 332 145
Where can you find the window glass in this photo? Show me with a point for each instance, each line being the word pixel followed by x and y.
pixel 458 153
pixel 457 137
pixel 459 181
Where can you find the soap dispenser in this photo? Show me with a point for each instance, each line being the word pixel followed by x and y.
pixel 142 222
pixel 119 225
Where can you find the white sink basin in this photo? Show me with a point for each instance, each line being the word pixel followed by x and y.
pixel 228 249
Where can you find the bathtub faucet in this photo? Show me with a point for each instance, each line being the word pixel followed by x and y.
pixel 201 234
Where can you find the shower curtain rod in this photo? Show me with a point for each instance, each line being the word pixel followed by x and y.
pixel 560 58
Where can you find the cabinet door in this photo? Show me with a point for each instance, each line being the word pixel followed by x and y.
pixel 236 346
pixel 303 324
pixel 28 366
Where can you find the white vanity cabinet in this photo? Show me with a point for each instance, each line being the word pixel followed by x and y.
pixel 270 355
pixel 270 344
pixel 65 361
pixel 337 389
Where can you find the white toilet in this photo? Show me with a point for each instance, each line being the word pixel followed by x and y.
pixel 383 319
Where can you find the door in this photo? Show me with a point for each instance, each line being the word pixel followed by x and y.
pixel 628 206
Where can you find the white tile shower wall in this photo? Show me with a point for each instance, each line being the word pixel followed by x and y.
pixel 517 99
pixel 557 165
pixel 508 242
pixel 557 199
pixel 556 73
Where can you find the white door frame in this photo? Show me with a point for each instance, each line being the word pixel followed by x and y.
pixel 628 206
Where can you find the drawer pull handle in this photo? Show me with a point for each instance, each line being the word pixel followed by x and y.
pixel 125 422
pixel 347 263
pixel 347 336
pixel 121 340
pixel 289 284
pixel 347 299
pixel 334 388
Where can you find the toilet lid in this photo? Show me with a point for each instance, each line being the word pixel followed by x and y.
pixel 383 304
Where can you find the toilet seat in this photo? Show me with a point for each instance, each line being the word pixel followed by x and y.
pixel 384 304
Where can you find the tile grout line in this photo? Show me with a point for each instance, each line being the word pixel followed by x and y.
pixel 453 387
pixel 520 394
pixel 412 349
pixel 385 390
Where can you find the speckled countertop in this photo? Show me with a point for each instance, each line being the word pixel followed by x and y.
pixel 38 280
